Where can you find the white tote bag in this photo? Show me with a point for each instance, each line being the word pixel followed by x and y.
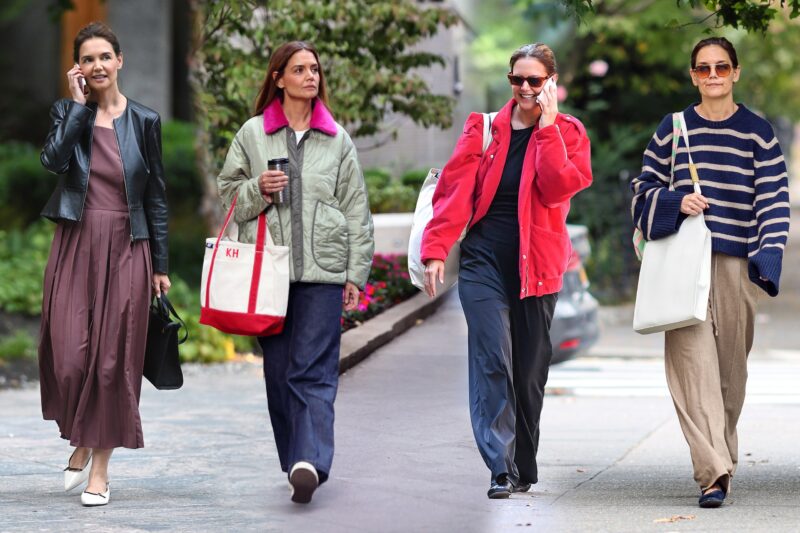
pixel 675 278
pixel 423 213
pixel 245 287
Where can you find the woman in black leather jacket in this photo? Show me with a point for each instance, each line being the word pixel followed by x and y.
pixel 109 255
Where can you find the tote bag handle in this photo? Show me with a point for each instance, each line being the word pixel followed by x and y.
pixel 263 238
pixel 692 167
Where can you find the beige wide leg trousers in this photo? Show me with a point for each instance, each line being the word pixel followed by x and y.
pixel 706 367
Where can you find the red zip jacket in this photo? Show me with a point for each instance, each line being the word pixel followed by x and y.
pixel 557 165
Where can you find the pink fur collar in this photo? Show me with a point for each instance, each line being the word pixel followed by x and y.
pixel 321 118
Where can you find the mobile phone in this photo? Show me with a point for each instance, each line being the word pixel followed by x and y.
pixel 549 83
pixel 83 86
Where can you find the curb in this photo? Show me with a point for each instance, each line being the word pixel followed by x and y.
pixel 358 343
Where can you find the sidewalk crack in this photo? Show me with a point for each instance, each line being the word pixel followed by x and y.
pixel 630 450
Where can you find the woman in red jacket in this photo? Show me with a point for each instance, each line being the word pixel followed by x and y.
pixel 515 198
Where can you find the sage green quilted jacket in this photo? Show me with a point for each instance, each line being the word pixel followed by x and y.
pixel 326 224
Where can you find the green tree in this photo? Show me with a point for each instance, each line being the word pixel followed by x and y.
pixel 750 15
pixel 368 52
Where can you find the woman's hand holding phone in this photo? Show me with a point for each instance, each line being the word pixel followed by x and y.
pixel 548 101
pixel 77 84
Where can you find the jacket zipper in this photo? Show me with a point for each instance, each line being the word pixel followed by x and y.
pixel 88 170
pixel 124 178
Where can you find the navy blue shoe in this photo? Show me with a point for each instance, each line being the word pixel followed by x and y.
pixel 712 500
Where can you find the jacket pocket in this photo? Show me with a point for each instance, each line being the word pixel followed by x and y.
pixel 550 251
pixel 329 238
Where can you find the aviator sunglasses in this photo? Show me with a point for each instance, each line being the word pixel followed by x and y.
pixel 533 81
pixel 723 70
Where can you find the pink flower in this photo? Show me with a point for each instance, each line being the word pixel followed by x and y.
pixel 561 93
pixel 598 68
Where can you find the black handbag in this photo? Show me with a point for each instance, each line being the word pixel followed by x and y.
pixel 162 365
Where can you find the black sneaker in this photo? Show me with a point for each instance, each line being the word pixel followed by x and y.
pixel 521 487
pixel 501 488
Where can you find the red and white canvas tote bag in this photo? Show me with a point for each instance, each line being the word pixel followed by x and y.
pixel 245 287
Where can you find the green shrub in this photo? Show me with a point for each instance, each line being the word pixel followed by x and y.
pixel 394 198
pixel 25 185
pixel 23 256
pixel 20 345
pixel 185 194
pixel 184 186
pixel 377 177
pixel 187 235
pixel 415 178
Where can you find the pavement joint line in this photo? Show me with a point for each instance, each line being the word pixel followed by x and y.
pixel 616 461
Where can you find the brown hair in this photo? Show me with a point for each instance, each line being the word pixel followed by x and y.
pixel 95 30
pixel 722 42
pixel 277 63
pixel 538 51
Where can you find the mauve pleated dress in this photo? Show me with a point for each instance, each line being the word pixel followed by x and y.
pixel 94 314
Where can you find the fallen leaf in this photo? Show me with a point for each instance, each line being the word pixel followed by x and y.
pixel 581 470
pixel 674 518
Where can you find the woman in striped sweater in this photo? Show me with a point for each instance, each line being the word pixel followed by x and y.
pixel 745 201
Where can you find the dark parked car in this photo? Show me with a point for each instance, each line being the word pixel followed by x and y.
pixel 575 328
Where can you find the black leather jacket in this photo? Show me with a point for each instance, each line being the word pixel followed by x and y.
pixel 68 152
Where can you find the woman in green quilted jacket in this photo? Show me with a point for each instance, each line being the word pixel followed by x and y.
pixel 325 221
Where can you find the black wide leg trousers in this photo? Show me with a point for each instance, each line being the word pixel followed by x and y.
pixel 509 353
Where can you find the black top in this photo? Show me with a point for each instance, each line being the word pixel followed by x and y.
pixel 502 217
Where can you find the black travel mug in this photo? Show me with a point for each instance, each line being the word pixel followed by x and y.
pixel 282 164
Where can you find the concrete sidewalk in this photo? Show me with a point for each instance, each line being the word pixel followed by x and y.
pixel 405 461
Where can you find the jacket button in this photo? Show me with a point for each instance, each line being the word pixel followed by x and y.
pixel 523 290
pixel 491 156
pixel 524 256
pixel 540 284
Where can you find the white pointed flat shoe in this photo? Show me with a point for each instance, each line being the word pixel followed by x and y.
pixel 74 477
pixel 96 499
pixel 304 481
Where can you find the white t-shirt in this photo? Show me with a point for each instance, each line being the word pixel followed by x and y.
pixel 299 135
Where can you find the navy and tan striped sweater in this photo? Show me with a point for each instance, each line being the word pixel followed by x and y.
pixel 742 174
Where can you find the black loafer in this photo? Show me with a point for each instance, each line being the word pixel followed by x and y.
pixel 501 488
pixel 712 500
pixel 521 487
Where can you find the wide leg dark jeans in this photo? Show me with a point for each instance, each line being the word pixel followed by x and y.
pixel 301 371
pixel 509 354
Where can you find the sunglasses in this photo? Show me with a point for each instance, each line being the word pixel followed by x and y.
pixel 533 81
pixel 723 70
